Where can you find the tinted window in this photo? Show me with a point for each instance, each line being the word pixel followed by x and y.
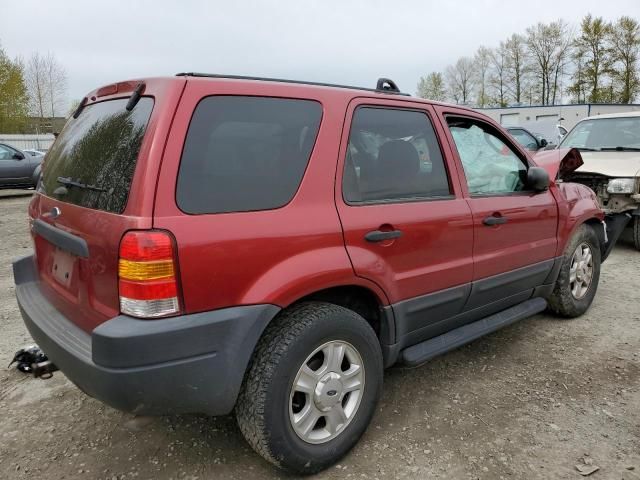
pixel 392 155
pixel 99 150
pixel 245 153
pixel 490 165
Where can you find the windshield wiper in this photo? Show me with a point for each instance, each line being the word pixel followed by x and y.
pixel 70 182
pixel 620 149
pixel 588 149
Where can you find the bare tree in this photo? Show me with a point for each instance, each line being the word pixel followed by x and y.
pixel 498 75
pixel 460 80
pixel 624 44
pixel 56 80
pixel 46 84
pixel 36 80
pixel 482 64
pixel 548 46
pixel 432 87
pixel 516 66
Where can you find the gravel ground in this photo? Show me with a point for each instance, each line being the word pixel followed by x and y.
pixel 530 401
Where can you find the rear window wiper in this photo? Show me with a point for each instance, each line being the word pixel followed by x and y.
pixel 620 149
pixel 70 182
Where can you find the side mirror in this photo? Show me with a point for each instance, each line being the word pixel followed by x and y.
pixel 538 179
pixel 18 156
pixel 543 142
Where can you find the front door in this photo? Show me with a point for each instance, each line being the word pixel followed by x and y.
pixel 514 227
pixel 406 225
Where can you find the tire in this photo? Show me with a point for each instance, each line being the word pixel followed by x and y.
pixel 568 298
pixel 636 232
pixel 266 403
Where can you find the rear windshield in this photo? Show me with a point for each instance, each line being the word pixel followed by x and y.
pixel 91 163
pixel 245 153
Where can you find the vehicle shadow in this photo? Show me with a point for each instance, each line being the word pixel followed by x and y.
pixel 210 447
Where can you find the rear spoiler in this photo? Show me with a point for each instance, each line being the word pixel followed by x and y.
pixel 560 162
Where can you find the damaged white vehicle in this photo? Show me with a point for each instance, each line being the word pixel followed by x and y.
pixel 610 149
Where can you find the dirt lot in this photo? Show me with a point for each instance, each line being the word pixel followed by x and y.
pixel 531 401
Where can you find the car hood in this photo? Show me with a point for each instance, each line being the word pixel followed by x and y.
pixel 611 164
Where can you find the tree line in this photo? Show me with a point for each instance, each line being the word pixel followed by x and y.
pixel 548 64
pixel 32 92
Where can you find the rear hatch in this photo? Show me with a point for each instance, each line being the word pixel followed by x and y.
pixel 83 205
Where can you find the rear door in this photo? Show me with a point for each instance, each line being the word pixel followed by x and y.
pixel 515 229
pixel 406 225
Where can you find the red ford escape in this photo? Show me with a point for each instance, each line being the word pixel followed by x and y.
pixel 222 244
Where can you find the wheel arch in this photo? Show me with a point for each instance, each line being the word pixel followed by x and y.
pixel 362 300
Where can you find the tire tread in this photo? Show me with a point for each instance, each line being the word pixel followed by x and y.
pixel 561 301
pixel 277 339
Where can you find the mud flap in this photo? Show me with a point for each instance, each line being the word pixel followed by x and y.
pixel 616 224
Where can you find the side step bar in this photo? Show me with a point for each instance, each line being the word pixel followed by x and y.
pixel 420 353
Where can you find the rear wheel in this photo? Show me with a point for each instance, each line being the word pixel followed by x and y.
pixel 579 275
pixel 636 232
pixel 311 388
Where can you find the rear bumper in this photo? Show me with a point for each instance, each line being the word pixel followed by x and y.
pixel 187 364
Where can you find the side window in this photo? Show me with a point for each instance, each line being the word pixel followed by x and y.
pixel 393 155
pixel 5 153
pixel 490 165
pixel 525 139
pixel 245 153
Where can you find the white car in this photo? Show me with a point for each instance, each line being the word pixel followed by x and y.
pixel 610 148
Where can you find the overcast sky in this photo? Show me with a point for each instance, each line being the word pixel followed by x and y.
pixel 338 41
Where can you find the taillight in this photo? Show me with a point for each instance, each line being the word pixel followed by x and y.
pixel 147 275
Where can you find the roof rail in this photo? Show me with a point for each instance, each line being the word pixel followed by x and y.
pixel 387 85
pixel 384 85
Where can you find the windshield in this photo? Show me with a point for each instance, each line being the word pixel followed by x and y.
pixel 92 162
pixel 605 134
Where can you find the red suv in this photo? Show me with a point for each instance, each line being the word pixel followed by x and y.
pixel 215 244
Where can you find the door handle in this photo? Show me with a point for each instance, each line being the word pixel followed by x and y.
pixel 495 220
pixel 379 235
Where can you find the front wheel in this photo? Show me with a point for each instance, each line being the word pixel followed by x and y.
pixel 636 232
pixel 311 388
pixel 579 275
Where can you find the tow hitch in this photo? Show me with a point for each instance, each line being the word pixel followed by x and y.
pixel 44 369
pixel 33 360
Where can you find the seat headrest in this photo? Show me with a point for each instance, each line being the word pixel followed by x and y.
pixel 400 159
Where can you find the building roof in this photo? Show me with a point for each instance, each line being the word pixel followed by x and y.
pixel 563 105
